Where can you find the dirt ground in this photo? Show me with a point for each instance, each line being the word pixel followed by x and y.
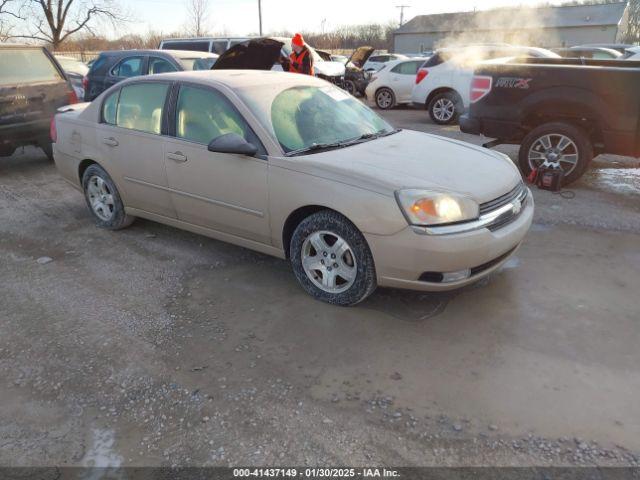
pixel 153 346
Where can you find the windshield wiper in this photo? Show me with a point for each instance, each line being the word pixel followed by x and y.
pixel 321 147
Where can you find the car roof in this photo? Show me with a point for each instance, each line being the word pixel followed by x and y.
pixel 173 53
pixel 236 79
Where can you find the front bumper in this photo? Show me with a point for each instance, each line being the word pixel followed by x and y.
pixel 404 258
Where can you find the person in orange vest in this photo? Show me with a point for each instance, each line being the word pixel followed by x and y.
pixel 300 60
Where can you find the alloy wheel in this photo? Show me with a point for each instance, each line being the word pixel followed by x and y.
pixel 384 99
pixel 100 198
pixel 329 262
pixel 554 149
pixel 444 109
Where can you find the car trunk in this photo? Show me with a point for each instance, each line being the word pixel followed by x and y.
pixel 255 54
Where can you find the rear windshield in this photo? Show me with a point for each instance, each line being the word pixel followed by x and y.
pixel 26 66
pixel 193 46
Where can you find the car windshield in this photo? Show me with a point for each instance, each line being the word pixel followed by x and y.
pixel 306 118
pixel 198 63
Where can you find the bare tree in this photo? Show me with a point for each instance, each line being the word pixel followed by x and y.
pixel 197 16
pixel 632 34
pixel 7 13
pixel 56 20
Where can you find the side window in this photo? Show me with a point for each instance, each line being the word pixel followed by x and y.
pixel 375 59
pixel 110 108
pixel 160 65
pixel 407 68
pixel 219 46
pixel 140 107
pixel 129 67
pixel 203 115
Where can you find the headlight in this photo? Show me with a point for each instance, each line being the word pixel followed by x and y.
pixel 422 207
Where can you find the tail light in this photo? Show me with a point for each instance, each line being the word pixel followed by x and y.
pixel 421 75
pixel 53 131
pixel 85 83
pixel 480 87
pixel 72 97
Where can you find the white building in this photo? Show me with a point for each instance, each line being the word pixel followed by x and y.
pixel 536 26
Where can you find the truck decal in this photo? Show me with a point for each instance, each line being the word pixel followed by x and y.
pixel 513 82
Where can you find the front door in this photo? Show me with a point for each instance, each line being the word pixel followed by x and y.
pixel 220 191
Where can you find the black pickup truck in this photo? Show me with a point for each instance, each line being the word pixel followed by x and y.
pixel 562 112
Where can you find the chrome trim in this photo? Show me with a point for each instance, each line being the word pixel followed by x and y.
pixel 511 211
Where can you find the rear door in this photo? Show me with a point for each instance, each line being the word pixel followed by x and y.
pixel 32 87
pixel 403 79
pixel 219 191
pixel 130 137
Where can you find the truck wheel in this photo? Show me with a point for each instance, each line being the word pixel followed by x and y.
pixel 445 108
pixel 385 99
pixel 103 199
pixel 331 259
pixel 559 143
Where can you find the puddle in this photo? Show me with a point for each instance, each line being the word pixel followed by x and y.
pixel 407 305
pixel 102 457
pixel 619 180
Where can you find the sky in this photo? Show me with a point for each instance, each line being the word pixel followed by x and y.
pixel 240 17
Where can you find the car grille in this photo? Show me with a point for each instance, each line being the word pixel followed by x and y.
pixel 519 193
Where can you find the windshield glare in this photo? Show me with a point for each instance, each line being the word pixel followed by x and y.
pixel 305 116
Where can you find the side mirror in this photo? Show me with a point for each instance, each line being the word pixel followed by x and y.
pixel 232 143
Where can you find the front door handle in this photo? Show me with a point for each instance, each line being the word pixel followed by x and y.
pixel 177 157
pixel 112 142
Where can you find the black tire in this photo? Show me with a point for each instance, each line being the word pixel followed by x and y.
pixel 446 98
pixel 350 86
pixel 385 98
pixel 119 219
pixel 575 134
pixel 365 277
pixel 47 148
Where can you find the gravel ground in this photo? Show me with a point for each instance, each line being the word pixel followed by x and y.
pixel 153 346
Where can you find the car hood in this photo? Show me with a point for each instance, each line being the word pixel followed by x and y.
pixel 410 159
pixel 360 56
pixel 254 54
pixel 330 69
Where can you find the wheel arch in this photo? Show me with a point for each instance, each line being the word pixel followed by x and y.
pixel 297 216
pixel 438 91
pixel 82 167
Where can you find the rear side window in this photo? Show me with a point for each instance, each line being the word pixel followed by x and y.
pixel 219 46
pixel 129 67
pixel 435 60
pixel 140 107
pixel 110 108
pixel 160 65
pixel 26 66
pixel 407 68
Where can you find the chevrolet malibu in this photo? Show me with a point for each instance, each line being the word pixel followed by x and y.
pixel 292 166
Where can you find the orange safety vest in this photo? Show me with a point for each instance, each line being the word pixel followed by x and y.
pixel 293 58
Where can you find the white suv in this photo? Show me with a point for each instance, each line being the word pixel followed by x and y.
pixel 443 82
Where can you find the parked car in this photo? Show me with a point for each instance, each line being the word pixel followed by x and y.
pixel 376 62
pixel 442 83
pixel 356 78
pixel 339 58
pixel 294 167
pixel 600 53
pixel 562 112
pixel 393 84
pixel 33 86
pixel 75 71
pixel 620 47
pixel 272 53
pixel 217 45
pixel 114 66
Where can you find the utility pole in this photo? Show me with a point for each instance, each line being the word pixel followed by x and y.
pixel 402 7
pixel 260 15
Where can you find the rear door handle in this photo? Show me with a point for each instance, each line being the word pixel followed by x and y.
pixel 177 157
pixel 112 142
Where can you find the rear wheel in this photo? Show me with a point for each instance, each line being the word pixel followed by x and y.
pixel 559 144
pixel 445 108
pixel 103 199
pixel 331 259
pixel 385 99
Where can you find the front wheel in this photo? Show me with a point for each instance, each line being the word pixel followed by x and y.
pixel 445 108
pixel 560 144
pixel 331 259
pixel 103 199
pixel 350 86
